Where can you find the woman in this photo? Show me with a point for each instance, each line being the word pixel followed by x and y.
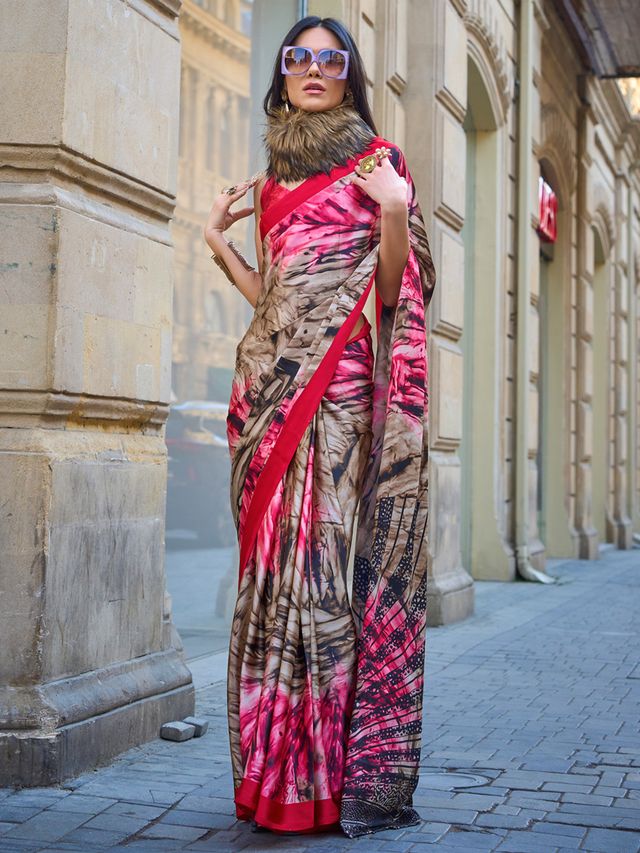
pixel 324 695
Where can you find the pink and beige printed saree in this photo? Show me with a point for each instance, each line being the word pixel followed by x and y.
pixel 324 694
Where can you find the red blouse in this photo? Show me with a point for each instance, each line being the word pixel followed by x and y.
pixel 272 191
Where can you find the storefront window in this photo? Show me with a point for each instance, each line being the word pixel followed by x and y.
pixel 225 74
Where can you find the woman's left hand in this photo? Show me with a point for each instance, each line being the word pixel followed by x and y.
pixel 383 185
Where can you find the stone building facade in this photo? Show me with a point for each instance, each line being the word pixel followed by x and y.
pixel 521 469
pixel 208 319
pixel 89 663
pixel 121 122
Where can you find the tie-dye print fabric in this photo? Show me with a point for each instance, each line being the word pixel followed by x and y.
pixel 324 693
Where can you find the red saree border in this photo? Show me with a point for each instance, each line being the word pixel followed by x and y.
pixel 276 211
pixel 292 817
pixel 378 311
pixel 298 419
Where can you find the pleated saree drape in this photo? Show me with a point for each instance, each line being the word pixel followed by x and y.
pixel 324 693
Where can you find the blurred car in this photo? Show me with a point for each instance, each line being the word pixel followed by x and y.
pixel 199 472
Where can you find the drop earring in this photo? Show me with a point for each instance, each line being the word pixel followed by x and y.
pixel 283 95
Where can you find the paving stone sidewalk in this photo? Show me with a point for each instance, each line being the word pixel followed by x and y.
pixel 538 692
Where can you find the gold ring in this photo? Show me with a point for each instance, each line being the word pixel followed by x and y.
pixel 368 163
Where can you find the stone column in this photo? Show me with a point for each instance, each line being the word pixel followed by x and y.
pixel 530 550
pixel 221 161
pixel 187 178
pixel 90 130
pixel 621 509
pixel 435 102
pixel 633 355
pixel 238 143
pixel 587 533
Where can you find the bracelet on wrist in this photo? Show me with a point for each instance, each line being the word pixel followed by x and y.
pixel 225 269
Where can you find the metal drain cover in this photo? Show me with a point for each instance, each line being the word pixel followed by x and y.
pixel 451 781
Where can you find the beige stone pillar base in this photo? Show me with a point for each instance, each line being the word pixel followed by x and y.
pixel 90 664
pixel 450 597
pixel 537 554
pixel 588 544
pixel 623 533
pixel 53 731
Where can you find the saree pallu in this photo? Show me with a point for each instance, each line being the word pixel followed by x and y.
pixel 324 693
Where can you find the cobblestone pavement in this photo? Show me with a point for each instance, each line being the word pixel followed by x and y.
pixel 538 693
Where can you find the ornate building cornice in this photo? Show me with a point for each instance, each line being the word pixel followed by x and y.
pixel 54 174
pixel 215 33
pixel 162 13
pixel 170 8
pixel 67 411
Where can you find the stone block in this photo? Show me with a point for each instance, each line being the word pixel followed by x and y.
pixel 199 723
pixel 177 731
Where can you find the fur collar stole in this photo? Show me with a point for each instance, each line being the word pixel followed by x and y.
pixel 302 143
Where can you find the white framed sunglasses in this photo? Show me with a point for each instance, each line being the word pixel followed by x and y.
pixel 330 61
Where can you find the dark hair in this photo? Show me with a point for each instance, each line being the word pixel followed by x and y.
pixel 355 77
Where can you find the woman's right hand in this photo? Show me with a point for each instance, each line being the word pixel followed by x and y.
pixel 221 218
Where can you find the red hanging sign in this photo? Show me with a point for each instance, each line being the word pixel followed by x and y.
pixel 547 211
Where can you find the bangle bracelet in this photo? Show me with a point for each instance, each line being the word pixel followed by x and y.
pixel 225 269
pixel 236 251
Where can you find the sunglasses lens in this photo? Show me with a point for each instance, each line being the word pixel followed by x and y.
pixel 297 60
pixel 331 62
